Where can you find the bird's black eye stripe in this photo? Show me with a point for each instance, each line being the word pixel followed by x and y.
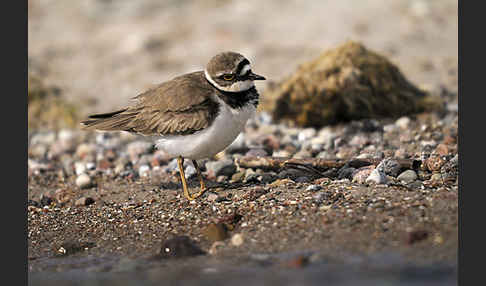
pixel 241 65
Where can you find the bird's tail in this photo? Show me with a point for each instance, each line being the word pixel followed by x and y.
pixel 111 121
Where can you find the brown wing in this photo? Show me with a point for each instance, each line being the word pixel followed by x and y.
pixel 180 106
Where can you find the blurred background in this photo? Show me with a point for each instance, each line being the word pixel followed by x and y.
pixel 103 52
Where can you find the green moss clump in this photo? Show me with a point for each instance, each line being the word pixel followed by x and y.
pixel 343 84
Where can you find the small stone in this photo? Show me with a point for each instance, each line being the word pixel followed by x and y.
pixel 251 176
pixel 435 162
pixel 104 164
pixel 63 195
pixel 408 176
pixel 403 122
pixel 302 154
pixel 215 232
pixel 179 246
pixel 119 168
pixel 389 167
pixel 256 152
pixel 436 177
pixel 442 150
pixel 359 140
pixel 389 128
pixel 416 236
pixel 281 182
pixel 306 134
pixel 360 175
pixel 46 138
pixel 224 167
pixel 364 156
pixel 376 177
pixel 271 142
pixel 38 150
pixel 237 177
pixel 85 149
pixel 237 239
pixel 313 188
pixel 212 197
pixel 345 172
pixel 83 181
pixel 143 170
pixel 190 171
pixel 84 201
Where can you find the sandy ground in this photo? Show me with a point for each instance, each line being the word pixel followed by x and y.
pixel 102 53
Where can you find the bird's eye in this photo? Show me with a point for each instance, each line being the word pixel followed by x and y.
pixel 228 76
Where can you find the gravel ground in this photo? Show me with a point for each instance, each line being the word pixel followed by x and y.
pixel 106 208
pixel 98 199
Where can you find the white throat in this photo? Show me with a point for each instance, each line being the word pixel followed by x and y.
pixel 235 87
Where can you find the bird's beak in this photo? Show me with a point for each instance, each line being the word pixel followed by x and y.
pixel 253 76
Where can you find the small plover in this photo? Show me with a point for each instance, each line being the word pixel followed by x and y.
pixel 193 116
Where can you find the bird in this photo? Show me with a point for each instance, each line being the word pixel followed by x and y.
pixel 192 116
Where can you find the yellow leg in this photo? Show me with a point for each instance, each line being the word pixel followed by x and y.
pixel 201 180
pixel 180 163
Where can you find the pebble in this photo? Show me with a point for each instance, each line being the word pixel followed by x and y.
pixel 213 197
pixel 360 175
pixel 389 167
pixel 143 170
pixel 190 171
pixel 45 138
pixel 306 134
pixel 84 201
pixel 85 149
pixel 302 154
pixel 435 162
pixel 215 232
pixel 38 150
pixel 83 181
pixel 237 239
pixel 313 188
pixel 376 177
pixel 256 152
pixel 436 177
pixel 403 122
pixel 407 176
pixel 345 172
pixel 180 246
pixel 251 176
pixel 239 176
pixel 224 167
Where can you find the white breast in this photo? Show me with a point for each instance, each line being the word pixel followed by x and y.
pixel 212 140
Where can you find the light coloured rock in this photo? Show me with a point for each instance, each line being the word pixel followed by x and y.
pixel 143 170
pixel 237 239
pixel 83 181
pixel 403 122
pixel 407 176
pixel 376 177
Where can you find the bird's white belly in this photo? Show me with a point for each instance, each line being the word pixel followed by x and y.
pixel 212 140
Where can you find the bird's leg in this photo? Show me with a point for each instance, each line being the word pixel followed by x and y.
pixel 201 180
pixel 180 163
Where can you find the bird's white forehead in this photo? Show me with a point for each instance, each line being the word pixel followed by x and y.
pixel 245 69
